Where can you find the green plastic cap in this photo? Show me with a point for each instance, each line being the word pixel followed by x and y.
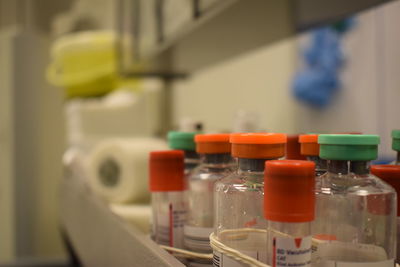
pixel 348 146
pixel 396 140
pixel 182 140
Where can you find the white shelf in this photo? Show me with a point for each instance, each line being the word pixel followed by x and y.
pixel 99 237
pixel 224 30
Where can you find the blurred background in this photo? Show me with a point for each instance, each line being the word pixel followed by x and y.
pixel 229 65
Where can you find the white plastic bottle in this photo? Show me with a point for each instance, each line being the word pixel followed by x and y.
pixel 356 212
pixel 167 197
pixel 215 163
pixel 239 197
pixel 289 207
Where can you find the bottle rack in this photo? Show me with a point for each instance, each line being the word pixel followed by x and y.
pixel 98 236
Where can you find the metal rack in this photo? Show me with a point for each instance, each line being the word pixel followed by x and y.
pixel 99 237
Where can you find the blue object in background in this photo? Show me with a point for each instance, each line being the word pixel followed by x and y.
pixel 317 83
pixel 383 160
pixel 315 87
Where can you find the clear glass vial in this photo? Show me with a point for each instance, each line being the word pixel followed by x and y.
pixel 396 144
pixel 167 197
pixel 310 149
pixel 215 163
pixel 356 211
pixel 391 175
pixel 185 141
pixel 289 207
pixel 239 197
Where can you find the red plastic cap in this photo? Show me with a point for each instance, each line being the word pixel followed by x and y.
pixel 289 194
pixel 166 170
pixel 258 145
pixel 309 144
pixel 391 175
pixel 212 143
pixel 293 148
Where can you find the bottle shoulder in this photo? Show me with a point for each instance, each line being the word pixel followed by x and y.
pixel 203 172
pixel 352 183
pixel 236 182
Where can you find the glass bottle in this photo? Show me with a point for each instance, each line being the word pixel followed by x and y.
pixel 310 149
pixel 355 212
pixel 239 196
pixel 391 175
pixel 396 145
pixel 289 207
pixel 167 197
pixel 215 163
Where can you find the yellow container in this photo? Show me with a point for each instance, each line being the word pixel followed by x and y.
pixel 84 63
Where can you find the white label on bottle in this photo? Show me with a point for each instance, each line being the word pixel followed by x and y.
pixel 170 227
pixel 222 260
pixel 387 263
pixel 289 251
pixel 197 238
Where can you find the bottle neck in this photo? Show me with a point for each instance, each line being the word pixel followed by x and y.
pixel 320 164
pixel 216 160
pixel 192 159
pixel 251 165
pixel 347 166
pixel 398 157
pixel 252 169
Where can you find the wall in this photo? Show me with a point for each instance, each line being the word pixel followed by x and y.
pixel 31 122
pixel 7 205
pixel 257 81
pixel 33 136
pixel 367 102
pixel 260 81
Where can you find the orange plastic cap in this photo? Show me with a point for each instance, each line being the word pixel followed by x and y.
pixel 293 148
pixel 391 175
pixel 258 145
pixel 212 143
pixel 289 191
pixel 309 144
pixel 166 169
pixel 308 138
pixel 258 138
